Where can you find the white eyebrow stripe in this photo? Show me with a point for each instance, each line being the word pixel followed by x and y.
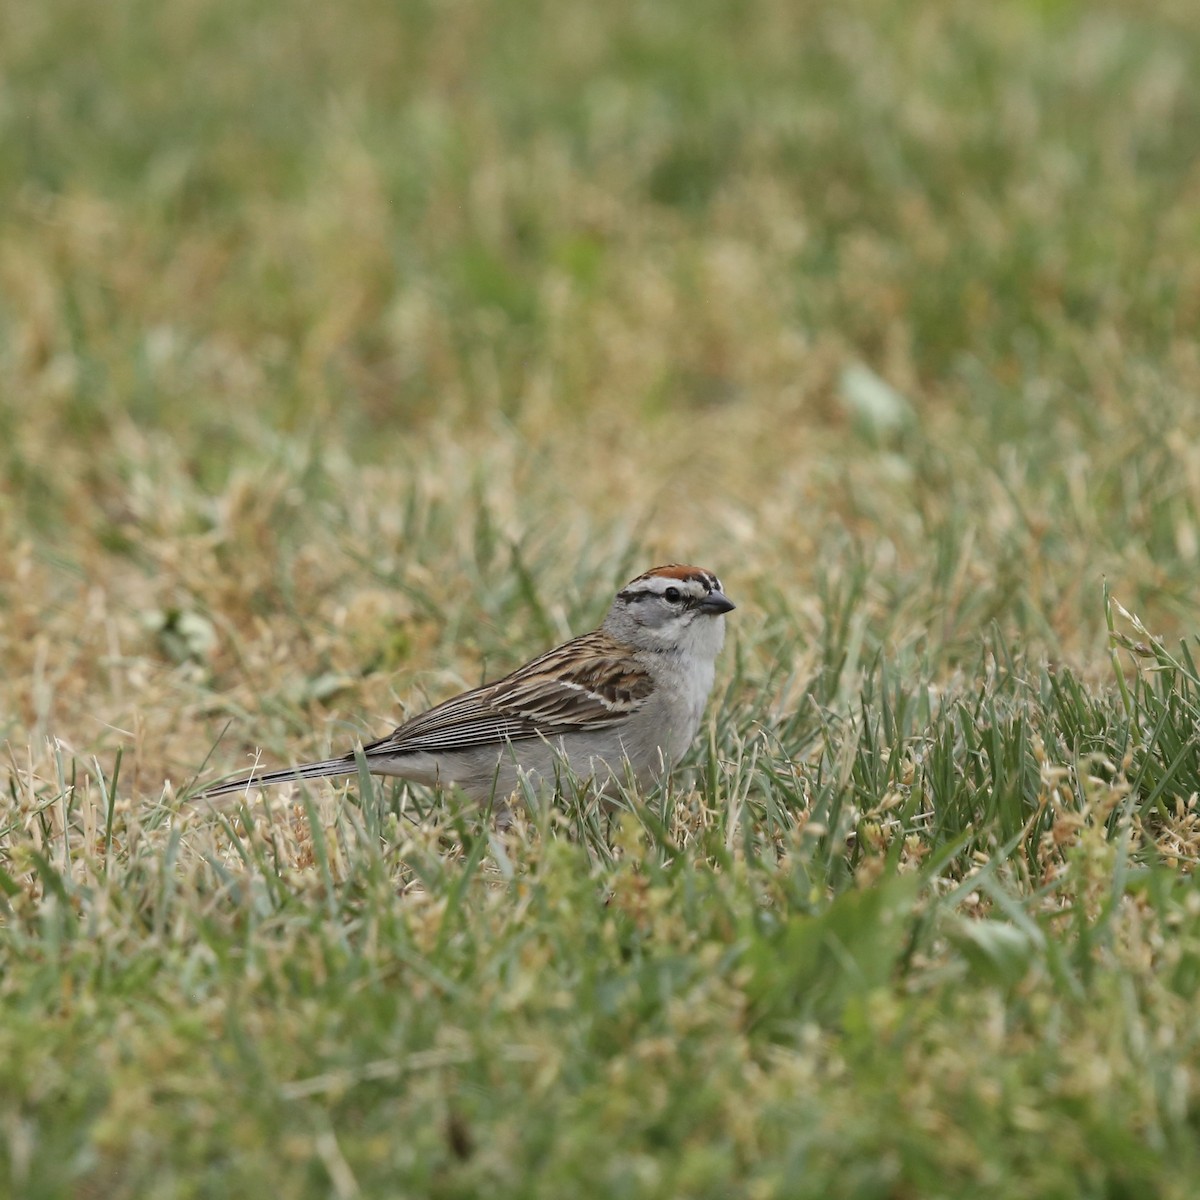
pixel 657 586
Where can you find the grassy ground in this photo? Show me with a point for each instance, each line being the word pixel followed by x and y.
pixel 350 354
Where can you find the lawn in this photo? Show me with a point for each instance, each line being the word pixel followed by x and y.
pixel 353 354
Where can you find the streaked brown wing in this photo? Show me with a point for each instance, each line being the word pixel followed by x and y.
pixel 586 684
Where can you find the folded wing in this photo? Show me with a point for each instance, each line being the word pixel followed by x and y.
pixel 588 684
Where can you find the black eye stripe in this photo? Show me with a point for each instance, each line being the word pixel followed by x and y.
pixel 672 585
pixel 672 594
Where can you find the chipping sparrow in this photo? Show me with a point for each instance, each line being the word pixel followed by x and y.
pixel 625 700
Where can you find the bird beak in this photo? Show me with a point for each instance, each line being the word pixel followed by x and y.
pixel 716 603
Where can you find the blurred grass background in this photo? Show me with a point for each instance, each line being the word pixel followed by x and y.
pixel 351 354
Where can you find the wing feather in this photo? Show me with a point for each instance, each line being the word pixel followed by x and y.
pixel 589 683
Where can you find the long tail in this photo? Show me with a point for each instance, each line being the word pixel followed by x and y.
pixel 328 768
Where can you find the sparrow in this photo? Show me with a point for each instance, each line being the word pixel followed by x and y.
pixel 620 703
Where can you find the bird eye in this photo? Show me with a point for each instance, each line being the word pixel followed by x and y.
pixel 672 594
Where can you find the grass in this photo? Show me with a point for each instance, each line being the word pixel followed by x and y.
pixel 348 357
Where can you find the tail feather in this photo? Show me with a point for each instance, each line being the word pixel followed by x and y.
pixel 326 769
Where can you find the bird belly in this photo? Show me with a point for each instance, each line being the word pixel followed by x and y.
pixel 495 773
